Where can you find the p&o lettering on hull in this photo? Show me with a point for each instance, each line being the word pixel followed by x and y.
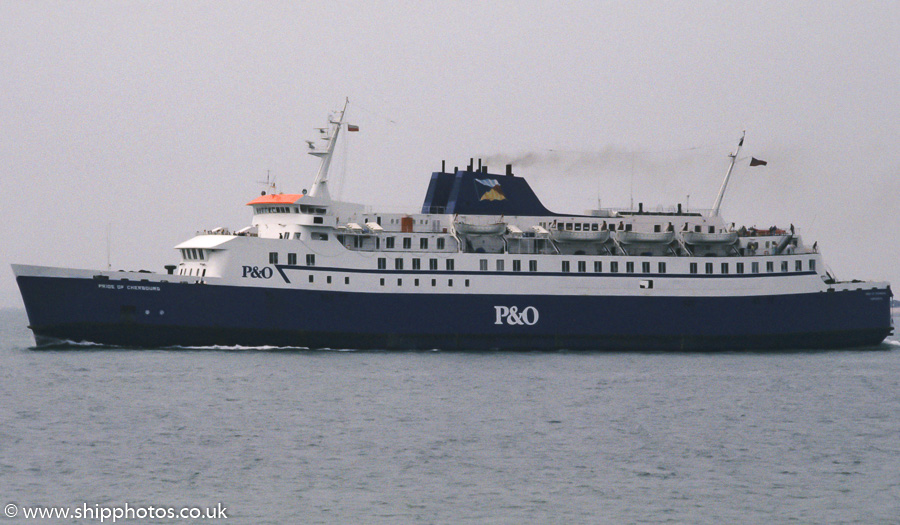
pixel 255 272
pixel 512 316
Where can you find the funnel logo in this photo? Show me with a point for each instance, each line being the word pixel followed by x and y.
pixel 490 190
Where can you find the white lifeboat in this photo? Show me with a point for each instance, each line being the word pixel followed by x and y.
pixel 582 236
pixel 694 238
pixel 630 237
pixel 468 228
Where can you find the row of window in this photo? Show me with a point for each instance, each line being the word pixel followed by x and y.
pixel 581 266
pixel 303 208
pixel 725 267
pixel 200 272
pixel 613 267
pixel 192 254
pixel 416 264
pixel 434 282
pixel 292 259
pixel 389 243
pixel 276 209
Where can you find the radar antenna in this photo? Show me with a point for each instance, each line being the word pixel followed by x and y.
pixel 269 183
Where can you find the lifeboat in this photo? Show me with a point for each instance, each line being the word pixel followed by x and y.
pixel 694 238
pixel 573 236
pixel 468 228
pixel 628 237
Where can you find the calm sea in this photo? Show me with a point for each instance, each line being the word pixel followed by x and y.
pixel 282 436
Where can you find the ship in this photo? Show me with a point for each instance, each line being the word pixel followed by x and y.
pixel 484 265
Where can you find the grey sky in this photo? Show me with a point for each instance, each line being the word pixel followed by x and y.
pixel 158 118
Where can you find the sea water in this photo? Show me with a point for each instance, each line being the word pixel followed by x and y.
pixel 292 436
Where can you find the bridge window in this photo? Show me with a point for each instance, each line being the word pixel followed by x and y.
pixel 499 265
pixel 273 257
pixel 661 267
pixel 432 264
pixel 798 266
pixel 582 266
pixel 784 266
pixel 709 267
pixel 565 266
pixel 629 267
pixel 740 267
pixel 645 267
pixel 417 264
pixel 423 243
pixel 398 264
pixel 382 263
pixel 389 243
pixel 407 243
pixel 292 259
pixel 812 265
pixel 770 266
pixel 614 267
pixel 724 267
pixel 517 265
pixel 754 267
pixel 693 267
pixel 310 259
pixel 450 264
pixel 598 266
pixel 440 243
pixel 482 265
pixel 532 266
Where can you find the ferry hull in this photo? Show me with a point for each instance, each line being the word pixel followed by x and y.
pixel 161 314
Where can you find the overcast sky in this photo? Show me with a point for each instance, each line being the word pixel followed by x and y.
pixel 156 119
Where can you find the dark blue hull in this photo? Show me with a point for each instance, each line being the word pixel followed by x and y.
pixel 177 314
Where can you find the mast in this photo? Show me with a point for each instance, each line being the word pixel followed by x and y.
pixel 718 204
pixel 320 184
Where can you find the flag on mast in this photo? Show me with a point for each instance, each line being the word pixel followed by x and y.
pixel 352 127
pixel 757 162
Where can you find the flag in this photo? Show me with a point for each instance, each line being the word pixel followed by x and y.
pixel 757 162
pixel 352 127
